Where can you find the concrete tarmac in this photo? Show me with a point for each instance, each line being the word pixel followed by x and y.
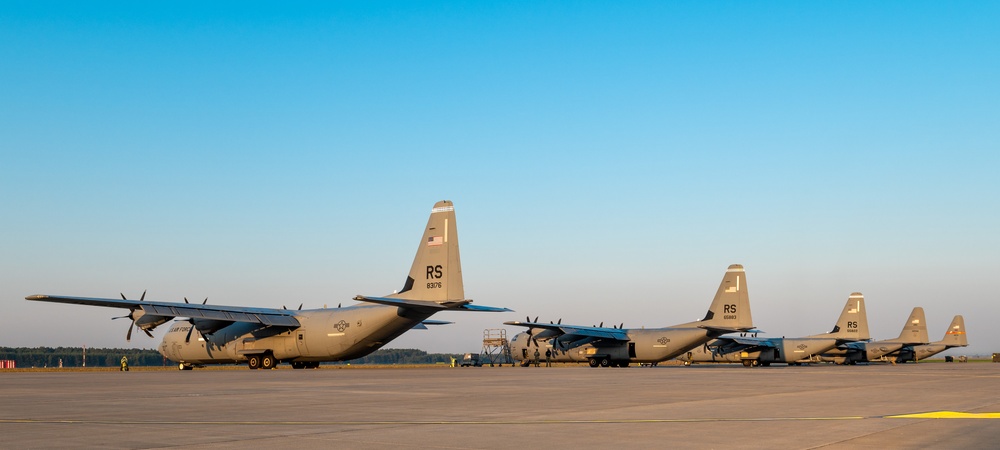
pixel 703 406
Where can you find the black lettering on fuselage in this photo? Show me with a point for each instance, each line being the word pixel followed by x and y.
pixel 434 272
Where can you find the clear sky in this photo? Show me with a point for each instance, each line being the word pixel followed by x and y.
pixel 607 161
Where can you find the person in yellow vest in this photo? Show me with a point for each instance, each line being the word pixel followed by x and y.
pixel 124 363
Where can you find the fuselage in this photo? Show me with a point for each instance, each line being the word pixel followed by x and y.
pixel 919 352
pixel 645 345
pixel 784 350
pixel 873 351
pixel 323 335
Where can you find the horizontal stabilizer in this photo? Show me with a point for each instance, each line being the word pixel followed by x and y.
pixel 423 325
pixel 722 330
pixel 429 306
pixel 436 322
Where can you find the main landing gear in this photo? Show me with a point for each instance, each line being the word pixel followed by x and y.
pixel 606 362
pixel 265 361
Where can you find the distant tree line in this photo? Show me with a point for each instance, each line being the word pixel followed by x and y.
pixel 26 357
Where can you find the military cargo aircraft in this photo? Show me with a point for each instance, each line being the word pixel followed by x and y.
pixel 954 337
pixel 914 333
pixel 264 337
pixel 618 347
pixel 852 326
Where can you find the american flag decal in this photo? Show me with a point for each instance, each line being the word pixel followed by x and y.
pixel 435 240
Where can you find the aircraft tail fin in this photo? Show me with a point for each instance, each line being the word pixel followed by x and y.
pixel 853 321
pixel 436 274
pixel 955 336
pixel 915 329
pixel 730 309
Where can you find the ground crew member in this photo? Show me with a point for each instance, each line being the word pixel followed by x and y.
pixel 536 357
pixel 452 361
pixel 548 358
pixel 124 363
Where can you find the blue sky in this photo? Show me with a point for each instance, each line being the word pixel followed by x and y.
pixel 607 161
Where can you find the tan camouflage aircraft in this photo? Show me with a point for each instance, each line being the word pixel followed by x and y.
pixel 954 337
pixel 618 347
pixel 852 326
pixel 264 337
pixel 914 333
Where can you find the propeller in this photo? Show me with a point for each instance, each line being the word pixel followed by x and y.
pixel 188 337
pixel 132 317
pixel 300 306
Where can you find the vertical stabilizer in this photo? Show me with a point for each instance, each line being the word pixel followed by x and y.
pixel 436 274
pixel 731 307
pixel 915 329
pixel 853 321
pixel 955 336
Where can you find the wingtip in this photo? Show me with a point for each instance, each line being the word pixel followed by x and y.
pixel 36 297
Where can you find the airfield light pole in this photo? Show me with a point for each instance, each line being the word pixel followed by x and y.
pixel 84 355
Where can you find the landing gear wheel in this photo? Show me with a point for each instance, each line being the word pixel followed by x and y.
pixel 623 364
pixel 267 362
pixel 298 365
pixel 687 363
pixel 755 363
pixel 747 363
pixel 594 362
pixel 605 362
pixel 183 366
pixel 253 362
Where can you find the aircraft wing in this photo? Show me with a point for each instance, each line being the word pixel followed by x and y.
pixel 263 316
pixel 753 341
pixel 574 331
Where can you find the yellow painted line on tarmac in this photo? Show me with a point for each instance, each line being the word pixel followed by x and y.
pixel 947 415
pixel 416 422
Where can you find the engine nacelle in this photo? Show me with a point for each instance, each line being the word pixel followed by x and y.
pixel 148 321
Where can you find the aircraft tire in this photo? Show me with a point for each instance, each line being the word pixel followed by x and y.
pixel 298 365
pixel 253 362
pixel 605 362
pixel 746 363
pixel 623 364
pixel 594 362
pixel 687 363
pixel 755 363
pixel 267 362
